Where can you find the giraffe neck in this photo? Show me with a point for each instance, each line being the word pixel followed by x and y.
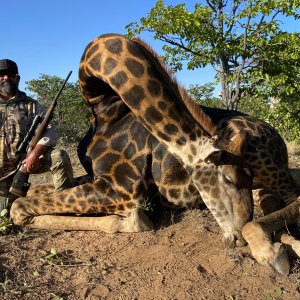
pixel 132 72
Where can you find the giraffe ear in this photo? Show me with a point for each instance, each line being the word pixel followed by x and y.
pixel 214 157
pixel 236 144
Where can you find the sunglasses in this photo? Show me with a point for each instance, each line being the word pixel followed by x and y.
pixel 8 74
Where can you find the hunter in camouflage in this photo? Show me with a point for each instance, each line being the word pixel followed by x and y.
pixel 17 111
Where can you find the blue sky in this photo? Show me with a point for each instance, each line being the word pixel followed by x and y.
pixel 49 37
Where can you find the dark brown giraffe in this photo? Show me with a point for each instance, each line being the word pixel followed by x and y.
pixel 136 110
pixel 117 157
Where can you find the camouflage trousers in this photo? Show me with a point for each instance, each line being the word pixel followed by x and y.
pixel 56 161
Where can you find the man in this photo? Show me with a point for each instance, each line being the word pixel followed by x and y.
pixel 17 111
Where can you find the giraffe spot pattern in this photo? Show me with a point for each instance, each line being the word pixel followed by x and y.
pixel 119 79
pixel 119 143
pixel 134 67
pixel 91 51
pixel 114 45
pixel 130 151
pixel 140 162
pixel 123 196
pixel 171 129
pixel 174 193
pixel 121 207
pixel 164 136
pixel 95 64
pixel 153 115
pixel 193 149
pixel 109 65
pixel 159 152
pixel 97 148
pixel 181 141
pixel 154 89
pixel 156 171
pixel 105 163
pixel 130 205
pixel 133 49
pixel 134 96
pixel 125 177
pixel 176 175
pixel 162 105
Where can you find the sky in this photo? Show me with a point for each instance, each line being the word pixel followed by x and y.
pixel 49 36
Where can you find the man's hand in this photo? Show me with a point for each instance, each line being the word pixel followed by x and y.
pixel 32 162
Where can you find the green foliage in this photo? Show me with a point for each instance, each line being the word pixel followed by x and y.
pixel 241 40
pixel 5 222
pixel 53 258
pixel 255 106
pixel 286 120
pixel 203 95
pixel 70 117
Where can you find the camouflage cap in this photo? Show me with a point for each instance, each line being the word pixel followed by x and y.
pixel 8 65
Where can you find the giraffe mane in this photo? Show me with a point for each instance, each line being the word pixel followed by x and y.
pixel 179 91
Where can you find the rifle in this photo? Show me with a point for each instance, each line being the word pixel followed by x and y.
pixel 20 184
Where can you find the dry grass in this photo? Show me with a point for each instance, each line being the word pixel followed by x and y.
pixel 294 154
pixel 294 160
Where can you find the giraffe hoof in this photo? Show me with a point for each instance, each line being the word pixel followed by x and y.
pixel 280 262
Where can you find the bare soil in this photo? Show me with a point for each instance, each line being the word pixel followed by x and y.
pixel 182 259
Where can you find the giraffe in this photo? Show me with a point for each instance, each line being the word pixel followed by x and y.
pixel 268 162
pixel 105 110
pixel 135 111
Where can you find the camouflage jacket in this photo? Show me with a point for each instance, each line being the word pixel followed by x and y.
pixel 16 116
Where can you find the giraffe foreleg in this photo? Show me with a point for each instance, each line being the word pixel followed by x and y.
pixel 136 221
pixel 124 215
pixel 271 202
pixel 258 235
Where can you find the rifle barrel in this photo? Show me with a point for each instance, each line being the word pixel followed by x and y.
pixel 63 85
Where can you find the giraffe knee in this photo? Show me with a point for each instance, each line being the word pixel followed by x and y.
pixel 19 214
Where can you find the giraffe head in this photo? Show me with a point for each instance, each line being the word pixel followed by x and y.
pixel 225 183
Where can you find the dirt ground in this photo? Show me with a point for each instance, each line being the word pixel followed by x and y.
pixel 182 259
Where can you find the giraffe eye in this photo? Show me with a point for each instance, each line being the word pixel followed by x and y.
pixel 227 180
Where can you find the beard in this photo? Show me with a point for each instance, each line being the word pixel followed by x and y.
pixel 8 88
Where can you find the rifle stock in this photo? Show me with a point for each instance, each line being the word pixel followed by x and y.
pixel 20 184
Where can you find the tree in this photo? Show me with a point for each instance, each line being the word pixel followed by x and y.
pixel 203 95
pixel 235 37
pixel 70 116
